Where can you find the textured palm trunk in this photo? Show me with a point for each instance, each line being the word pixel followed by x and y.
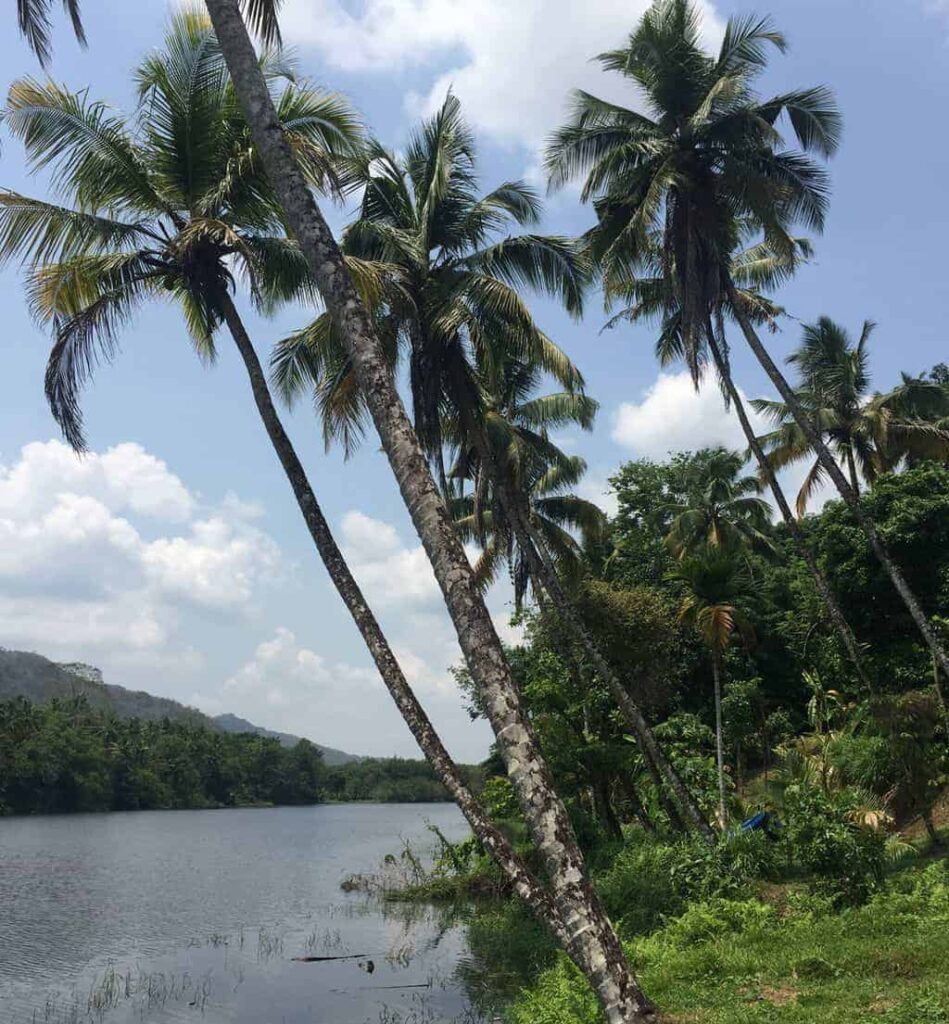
pixel 593 942
pixel 824 591
pixel 544 572
pixel 829 463
pixel 941 697
pixel 719 746
pixel 524 884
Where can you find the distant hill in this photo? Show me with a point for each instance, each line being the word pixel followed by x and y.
pixel 25 674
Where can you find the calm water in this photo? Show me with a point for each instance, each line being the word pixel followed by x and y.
pixel 195 915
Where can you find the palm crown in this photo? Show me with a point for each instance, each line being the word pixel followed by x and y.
pixel 448 283
pixel 679 186
pixel 722 510
pixel 170 204
pixel 868 435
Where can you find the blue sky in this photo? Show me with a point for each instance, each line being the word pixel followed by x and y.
pixel 173 556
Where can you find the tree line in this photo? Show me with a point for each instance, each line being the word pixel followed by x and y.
pixel 698 198
pixel 66 755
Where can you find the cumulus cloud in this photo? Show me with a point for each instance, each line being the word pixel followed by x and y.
pixel 78 574
pixel 672 416
pixel 512 64
pixel 389 571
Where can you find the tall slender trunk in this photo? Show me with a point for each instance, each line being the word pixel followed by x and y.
pixel 605 811
pixel 525 885
pixel 824 591
pixel 840 482
pixel 719 746
pixel 941 697
pixel 543 572
pixel 593 941
pixel 636 804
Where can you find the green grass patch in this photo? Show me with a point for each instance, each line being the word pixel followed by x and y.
pixel 744 961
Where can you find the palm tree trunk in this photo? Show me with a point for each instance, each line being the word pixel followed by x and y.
pixel 719 748
pixel 821 582
pixel 593 942
pixel 941 697
pixel 525 885
pixel 543 571
pixel 840 481
pixel 852 469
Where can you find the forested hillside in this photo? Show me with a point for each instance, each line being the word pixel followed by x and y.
pixel 25 674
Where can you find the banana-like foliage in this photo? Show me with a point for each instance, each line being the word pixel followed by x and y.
pixel 451 274
pixel 869 436
pixel 171 202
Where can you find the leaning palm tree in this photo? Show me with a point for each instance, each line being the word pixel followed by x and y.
pixel 593 943
pixel 721 508
pixel 173 212
pixel 706 159
pixel 867 436
pixel 450 303
pixel 716 586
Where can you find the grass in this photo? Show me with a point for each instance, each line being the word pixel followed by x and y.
pixel 788 960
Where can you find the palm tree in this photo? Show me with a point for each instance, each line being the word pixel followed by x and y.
pixel 172 214
pixel 866 436
pixel 591 939
pixel 704 163
pixel 450 301
pixel 722 508
pixel 539 474
pixel 717 584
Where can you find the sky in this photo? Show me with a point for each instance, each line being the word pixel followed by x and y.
pixel 173 557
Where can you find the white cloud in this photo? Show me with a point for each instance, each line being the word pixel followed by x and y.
pixel 390 572
pixel 672 416
pixel 125 477
pixel 77 575
pixel 512 64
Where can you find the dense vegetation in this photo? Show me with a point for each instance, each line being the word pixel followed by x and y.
pixel 66 755
pixel 390 780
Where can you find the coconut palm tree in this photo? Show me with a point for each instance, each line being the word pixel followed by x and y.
pixel 722 509
pixel 452 270
pixel 866 436
pixel 175 212
pixel 717 584
pixel 704 161
pixel 585 930
pixel 451 304
pixel 517 424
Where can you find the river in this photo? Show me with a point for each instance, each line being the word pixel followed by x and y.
pixel 160 916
